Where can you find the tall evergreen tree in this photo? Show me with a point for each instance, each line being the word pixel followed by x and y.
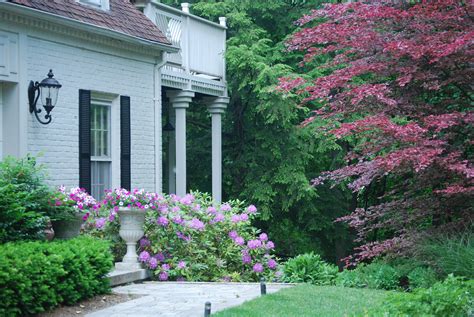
pixel 269 160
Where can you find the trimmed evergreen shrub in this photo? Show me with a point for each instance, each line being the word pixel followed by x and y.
pixel 25 200
pixel 38 276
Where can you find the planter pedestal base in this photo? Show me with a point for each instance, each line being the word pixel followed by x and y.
pixel 126 266
pixel 120 277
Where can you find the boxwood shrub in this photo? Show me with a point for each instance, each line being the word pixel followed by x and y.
pixel 37 276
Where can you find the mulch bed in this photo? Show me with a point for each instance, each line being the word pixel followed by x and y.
pixel 90 305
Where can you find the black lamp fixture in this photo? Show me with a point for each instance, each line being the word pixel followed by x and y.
pixel 168 127
pixel 48 89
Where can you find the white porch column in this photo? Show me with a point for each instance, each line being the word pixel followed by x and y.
pixel 180 100
pixel 217 107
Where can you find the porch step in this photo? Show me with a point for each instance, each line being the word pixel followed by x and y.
pixel 119 277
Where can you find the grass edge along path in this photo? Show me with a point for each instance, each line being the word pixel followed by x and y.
pixel 309 300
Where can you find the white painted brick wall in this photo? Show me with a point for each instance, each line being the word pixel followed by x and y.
pixel 83 66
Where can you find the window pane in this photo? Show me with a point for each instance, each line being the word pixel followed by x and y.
pixel 100 178
pixel 93 144
pixel 100 125
pixel 105 135
pixel 100 145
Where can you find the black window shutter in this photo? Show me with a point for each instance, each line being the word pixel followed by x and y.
pixel 125 143
pixel 85 139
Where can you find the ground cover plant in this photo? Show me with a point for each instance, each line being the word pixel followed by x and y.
pixel 310 300
pixel 38 276
pixel 192 238
pixel 309 268
pixel 449 254
pixel 451 297
pixel 376 275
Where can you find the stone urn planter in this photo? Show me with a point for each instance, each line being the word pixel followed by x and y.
pixel 68 228
pixel 131 230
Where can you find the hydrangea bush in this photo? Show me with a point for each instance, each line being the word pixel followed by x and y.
pixel 192 238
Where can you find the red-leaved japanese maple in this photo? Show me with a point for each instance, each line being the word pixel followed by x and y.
pixel 399 82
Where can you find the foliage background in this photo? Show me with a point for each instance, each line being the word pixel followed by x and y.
pixel 268 160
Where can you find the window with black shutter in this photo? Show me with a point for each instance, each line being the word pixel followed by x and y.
pixel 96 143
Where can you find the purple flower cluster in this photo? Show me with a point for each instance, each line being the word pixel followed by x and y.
pixel 144 256
pixel 272 264
pixel 196 224
pixel 246 258
pixel 226 207
pixel 163 276
pixel 218 218
pixel 258 268
pixel 239 218
pixel 251 209
pixel 162 221
pixel 153 263
pixel 212 210
pixel 254 244
pixel 100 223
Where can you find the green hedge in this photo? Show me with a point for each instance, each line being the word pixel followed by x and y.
pixel 38 276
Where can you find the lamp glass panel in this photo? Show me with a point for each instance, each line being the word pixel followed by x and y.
pixel 49 95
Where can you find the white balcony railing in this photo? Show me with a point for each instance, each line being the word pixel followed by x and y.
pixel 201 42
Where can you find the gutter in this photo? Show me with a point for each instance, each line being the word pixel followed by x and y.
pixel 157 106
pixel 85 26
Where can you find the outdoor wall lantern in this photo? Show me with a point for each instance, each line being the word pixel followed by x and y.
pixel 168 128
pixel 48 89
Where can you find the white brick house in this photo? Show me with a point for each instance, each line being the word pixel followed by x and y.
pixel 114 65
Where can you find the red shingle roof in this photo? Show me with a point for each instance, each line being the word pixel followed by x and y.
pixel 122 17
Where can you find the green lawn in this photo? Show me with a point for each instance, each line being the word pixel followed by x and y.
pixel 309 300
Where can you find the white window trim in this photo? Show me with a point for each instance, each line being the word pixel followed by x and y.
pixel 104 4
pixel 111 100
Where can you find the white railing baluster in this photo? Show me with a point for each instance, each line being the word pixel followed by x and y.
pixel 199 65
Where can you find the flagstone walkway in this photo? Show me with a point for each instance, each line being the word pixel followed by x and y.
pixel 182 299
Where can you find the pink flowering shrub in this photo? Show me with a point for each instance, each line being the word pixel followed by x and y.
pixel 192 238
pixel 68 202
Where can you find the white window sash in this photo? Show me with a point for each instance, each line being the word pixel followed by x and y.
pixel 97 132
